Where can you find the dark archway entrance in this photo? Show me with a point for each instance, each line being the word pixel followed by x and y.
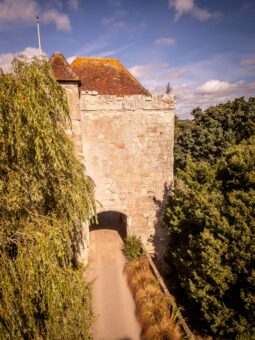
pixel 113 220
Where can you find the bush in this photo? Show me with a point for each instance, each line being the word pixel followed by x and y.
pixel 133 248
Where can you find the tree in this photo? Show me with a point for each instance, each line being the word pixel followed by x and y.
pixel 211 219
pixel 213 131
pixel 45 198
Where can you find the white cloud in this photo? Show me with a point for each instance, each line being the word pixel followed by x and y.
pixel 142 71
pixel 16 10
pixel 71 59
pixel 73 4
pixel 248 61
pixel 25 11
pixel 182 7
pixel 6 58
pixel 61 20
pixel 215 86
pixel 165 41
pixel 187 99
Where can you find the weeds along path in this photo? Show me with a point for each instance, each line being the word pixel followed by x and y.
pixel 113 303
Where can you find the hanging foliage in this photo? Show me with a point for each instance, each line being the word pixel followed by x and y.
pixel 45 199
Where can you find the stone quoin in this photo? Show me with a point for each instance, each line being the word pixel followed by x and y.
pixel 125 137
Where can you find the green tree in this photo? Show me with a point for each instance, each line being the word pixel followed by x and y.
pixel 45 199
pixel 211 219
pixel 210 133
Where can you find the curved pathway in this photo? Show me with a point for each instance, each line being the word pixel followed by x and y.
pixel 113 303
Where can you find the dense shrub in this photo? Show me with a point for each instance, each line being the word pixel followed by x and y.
pixel 132 247
pixel 45 199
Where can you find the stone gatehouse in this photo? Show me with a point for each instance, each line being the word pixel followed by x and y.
pixel 125 138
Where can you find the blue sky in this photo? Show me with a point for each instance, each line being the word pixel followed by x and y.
pixel 204 49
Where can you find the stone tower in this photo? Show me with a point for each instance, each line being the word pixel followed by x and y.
pixel 127 138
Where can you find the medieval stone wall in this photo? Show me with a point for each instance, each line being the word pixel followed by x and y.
pixel 73 97
pixel 128 147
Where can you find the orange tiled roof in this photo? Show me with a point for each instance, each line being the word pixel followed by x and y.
pixel 106 76
pixel 61 69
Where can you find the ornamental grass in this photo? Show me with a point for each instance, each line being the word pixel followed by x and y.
pixel 155 310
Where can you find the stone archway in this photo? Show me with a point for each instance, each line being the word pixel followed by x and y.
pixel 111 220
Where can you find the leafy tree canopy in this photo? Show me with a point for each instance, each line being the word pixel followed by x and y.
pixel 211 219
pixel 210 133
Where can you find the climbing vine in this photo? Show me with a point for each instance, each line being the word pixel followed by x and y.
pixel 45 199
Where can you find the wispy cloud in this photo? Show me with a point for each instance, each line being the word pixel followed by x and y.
pixel 113 52
pixel 116 2
pixel 73 4
pixel 61 20
pixel 94 48
pixel 176 73
pixel 119 21
pixel 25 11
pixel 183 7
pixel 116 20
pixel 164 41
pixel 248 61
pixel 113 23
pixel 6 58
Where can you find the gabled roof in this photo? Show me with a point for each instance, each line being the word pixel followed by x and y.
pixel 61 69
pixel 106 76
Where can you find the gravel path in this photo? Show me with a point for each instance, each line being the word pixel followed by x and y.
pixel 113 302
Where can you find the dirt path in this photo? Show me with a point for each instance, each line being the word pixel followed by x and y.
pixel 113 302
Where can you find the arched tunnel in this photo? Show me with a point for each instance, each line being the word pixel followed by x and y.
pixel 111 220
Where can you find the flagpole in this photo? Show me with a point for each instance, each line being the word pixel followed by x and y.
pixel 38 31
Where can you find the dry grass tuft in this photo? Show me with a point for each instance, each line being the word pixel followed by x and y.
pixel 156 311
pixel 151 312
pixel 140 279
pixel 165 329
pixel 149 291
